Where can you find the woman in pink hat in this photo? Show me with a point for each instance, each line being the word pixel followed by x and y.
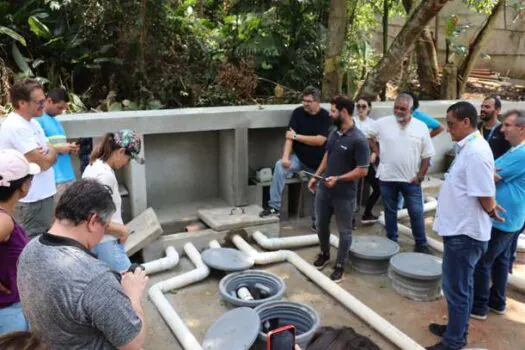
pixel 16 174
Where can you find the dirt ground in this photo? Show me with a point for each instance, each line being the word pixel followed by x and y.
pixel 200 305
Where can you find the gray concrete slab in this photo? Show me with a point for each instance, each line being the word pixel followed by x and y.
pixel 227 218
pixel 146 229
pixel 177 240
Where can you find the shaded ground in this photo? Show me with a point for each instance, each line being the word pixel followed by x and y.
pixel 200 305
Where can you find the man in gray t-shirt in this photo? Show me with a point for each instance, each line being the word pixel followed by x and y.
pixel 70 298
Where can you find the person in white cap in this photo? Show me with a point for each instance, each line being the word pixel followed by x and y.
pixel 16 174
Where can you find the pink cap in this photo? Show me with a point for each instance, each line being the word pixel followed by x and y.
pixel 14 166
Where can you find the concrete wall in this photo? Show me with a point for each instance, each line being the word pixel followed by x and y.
pixel 197 157
pixel 505 45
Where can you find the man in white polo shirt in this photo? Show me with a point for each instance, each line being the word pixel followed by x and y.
pixel 463 217
pixel 404 152
pixel 19 131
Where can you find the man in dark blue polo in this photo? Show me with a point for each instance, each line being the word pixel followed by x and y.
pixel 345 161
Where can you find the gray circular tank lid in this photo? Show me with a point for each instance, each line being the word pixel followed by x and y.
pixel 227 259
pixel 416 265
pixel 236 329
pixel 373 248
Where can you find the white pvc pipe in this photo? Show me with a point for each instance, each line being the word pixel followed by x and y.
pixel 168 262
pixel 517 282
pixel 290 242
pixel 168 313
pixel 431 204
pixel 349 301
pixel 406 231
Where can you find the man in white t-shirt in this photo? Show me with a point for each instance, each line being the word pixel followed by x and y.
pixel 463 217
pixel 19 131
pixel 404 152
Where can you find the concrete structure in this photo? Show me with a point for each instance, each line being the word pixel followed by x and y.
pixel 143 229
pixel 200 158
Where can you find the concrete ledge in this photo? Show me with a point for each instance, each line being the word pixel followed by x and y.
pixel 177 240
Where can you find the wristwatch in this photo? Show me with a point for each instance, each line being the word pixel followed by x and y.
pixel 295 136
pixel 420 179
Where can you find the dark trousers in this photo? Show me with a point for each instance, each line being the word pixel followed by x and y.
pixel 414 201
pixel 493 266
pixel 373 181
pixel 460 257
pixel 343 208
pixel 514 248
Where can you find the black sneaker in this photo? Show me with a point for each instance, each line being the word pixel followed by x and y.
pixel 313 228
pixel 369 219
pixel 354 226
pixel 423 249
pixel 321 261
pixel 437 329
pixel 478 316
pixel 440 329
pixel 268 211
pixel 337 275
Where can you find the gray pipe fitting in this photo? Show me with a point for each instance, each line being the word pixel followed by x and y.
pixel 262 284
pixel 305 319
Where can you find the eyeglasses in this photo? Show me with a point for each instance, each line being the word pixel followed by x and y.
pixel 40 103
pixel 361 106
pixel 308 101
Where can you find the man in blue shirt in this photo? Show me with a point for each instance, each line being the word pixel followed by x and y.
pixel 56 104
pixel 510 194
pixel 435 128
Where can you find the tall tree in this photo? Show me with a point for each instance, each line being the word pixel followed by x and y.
pixel 390 64
pixel 337 25
pixel 427 60
pixel 475 47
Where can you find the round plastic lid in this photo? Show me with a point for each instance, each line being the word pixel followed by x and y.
pixel 373 248
pixel 236 329
pixel 227 259
pixel 416 265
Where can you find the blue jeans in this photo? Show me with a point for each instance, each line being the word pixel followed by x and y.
pixel 460 257
pixel 343 208
pixel 414 200
pixel 494 265
pixel 113 254
pixel 514 248
pixel 12 319
pixel 280 174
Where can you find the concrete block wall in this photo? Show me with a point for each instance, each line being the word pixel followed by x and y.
pixel 196 156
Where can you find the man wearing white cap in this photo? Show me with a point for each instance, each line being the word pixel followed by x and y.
pixel 20 132
pixel 16 174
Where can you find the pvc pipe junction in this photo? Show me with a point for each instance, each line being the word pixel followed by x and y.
pixel 168 262
pixel 349 301
pixel 168 313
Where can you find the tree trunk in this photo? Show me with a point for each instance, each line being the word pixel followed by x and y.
pixel 337 24
pixel 390 64
pixel 427 61
pixel 475 47
pixel 386 10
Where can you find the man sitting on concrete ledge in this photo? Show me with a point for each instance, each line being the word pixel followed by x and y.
pixel 306 136
pixel 71 299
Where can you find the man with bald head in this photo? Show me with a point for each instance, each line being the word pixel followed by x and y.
pixel 404 151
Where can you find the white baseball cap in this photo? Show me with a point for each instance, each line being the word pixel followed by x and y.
pixel 14 166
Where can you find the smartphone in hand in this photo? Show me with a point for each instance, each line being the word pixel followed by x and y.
pixel 282 338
